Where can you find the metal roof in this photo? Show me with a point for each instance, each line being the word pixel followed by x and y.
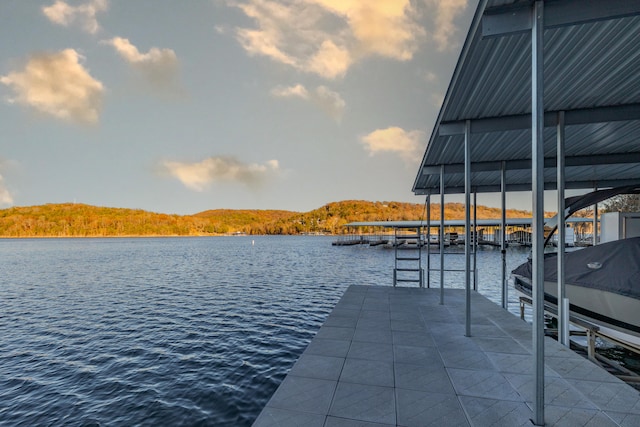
pixel 511 222
pixel 591 72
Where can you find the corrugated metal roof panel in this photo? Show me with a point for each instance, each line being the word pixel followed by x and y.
pixel 592 67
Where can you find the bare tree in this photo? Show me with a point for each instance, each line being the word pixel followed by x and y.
pixel 623 203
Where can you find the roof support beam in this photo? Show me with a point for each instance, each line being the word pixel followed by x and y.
pixel 503 21
pixel 524 164
pixel 574 185
pixel 521 122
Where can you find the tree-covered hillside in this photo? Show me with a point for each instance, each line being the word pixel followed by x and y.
pixel 79 220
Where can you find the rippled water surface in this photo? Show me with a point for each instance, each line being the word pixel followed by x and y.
pixel 176 331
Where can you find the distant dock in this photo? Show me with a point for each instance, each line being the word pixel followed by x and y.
pixel 487 232
pixel 395 357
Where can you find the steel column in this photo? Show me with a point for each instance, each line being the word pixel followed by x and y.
pixel 467 226
pixel 503 230
pixel 429 240
pixel 475 240
pixel 563 326
pixel 441 234
pixel 595 223
pixel 537 180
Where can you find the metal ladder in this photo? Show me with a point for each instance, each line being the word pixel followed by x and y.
pixel 408 262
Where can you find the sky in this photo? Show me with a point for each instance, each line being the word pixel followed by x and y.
pixel 184 106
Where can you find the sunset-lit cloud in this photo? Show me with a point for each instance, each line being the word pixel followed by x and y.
pixel 444 13
pixel 386 28
pixel 408 145
pixel 159 66
pixel 326 37
pixel 297 91
pixel 324 98
pixel 330 61
pixel 198 176
pixel 56 83
pixel 84 15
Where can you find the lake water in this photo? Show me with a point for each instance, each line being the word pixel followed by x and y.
pixel 173 331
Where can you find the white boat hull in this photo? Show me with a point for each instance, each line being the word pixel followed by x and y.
pixel 616 315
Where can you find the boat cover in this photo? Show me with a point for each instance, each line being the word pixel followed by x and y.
pixel 619 272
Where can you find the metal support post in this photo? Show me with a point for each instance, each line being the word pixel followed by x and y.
pixel 563 329
pixel 595 222
pixel 503 237
pixel 467 225
pixel 537 187
pixel 428 240
pixel 475 241
pixel 441 234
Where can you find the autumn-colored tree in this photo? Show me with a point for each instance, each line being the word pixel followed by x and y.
pixel 79 220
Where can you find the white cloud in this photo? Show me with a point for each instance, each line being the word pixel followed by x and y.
pixel 159 66
pixel 290 91
pixel 326 37
pixel 57 84
pixel 431 77
pixel 330 60
pixel 198 176
pixel 385 27
pixel 330 102
pixel 84 15
pixel 324 98
pixel 406 144
pixel 446 11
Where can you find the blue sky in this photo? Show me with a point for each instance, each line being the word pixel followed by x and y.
pixel 184 106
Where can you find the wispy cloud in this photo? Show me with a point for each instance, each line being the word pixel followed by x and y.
pixel 324 98
pixel 406 144
pixel 57 84
pixel 198 176
pixel 437 99
pixel 327 37
pixel 444 13
pixel 297 91
pixel 84 15
pixel 159 66
pixel 386 28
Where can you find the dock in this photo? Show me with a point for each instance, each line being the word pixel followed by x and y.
pixel 394 356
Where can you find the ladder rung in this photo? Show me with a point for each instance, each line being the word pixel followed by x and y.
pixel 408 269
pixel 409 280
pixel 408 259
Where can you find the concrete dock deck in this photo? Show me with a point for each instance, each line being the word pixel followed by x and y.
pixel 395 357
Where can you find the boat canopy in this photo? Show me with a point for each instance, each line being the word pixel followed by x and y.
pixel 575 203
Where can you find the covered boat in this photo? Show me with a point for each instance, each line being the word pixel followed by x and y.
pixel 602 284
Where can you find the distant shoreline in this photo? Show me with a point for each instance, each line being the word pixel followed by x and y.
pixel 69 220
